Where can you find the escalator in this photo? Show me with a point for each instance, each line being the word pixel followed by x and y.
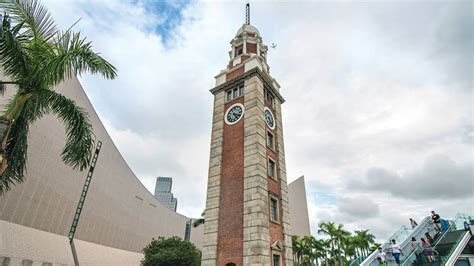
pixel 447 247
pixel 402 237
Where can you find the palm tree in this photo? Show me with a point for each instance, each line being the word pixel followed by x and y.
pixel 340 235
pixel 298 251
pixel 36 57
pixel 349 246
pixel 327 251
pixel 364 239
pixel 329 229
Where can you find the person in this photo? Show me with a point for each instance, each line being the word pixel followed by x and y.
pixel 396 251
pixel 429 238
pixel 427 250
pixel 467 227
pixel 436 220
pixel 413 223
pixel 382 257
pixel 414 247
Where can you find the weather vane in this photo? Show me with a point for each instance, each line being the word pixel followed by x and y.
pixel 247 13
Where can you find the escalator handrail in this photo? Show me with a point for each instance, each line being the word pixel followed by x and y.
pixel 460 245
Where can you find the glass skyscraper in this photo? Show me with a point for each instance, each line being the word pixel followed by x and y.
pixel 163 192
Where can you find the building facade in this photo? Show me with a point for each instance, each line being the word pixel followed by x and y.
pixel 247 209
pixel 298 208
pixel 163 192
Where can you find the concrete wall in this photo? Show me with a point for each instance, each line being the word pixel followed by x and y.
pixel 298 208
pixel 20 243
pixel 119 212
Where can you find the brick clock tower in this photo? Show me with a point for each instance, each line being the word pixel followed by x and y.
pixel 247 218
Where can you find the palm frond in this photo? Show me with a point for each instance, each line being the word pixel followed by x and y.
pixel 13 58
pixel 73 55
pixel 38 21
pixel 16 151
pixel 79 136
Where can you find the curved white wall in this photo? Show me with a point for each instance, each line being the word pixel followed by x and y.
pixel 119 211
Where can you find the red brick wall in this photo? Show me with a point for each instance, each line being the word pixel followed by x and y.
pixel 234 74
pixel 231 209
pixel 252 48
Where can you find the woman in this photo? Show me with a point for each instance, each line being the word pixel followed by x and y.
pixel 396 251
pixel 427 250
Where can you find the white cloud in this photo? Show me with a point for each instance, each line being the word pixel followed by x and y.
pixel 367 85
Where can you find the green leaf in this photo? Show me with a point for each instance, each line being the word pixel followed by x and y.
pixel 38 21
pixel 79 137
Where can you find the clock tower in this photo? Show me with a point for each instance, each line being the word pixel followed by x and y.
pixel 246 215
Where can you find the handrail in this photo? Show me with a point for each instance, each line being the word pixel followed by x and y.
pixel 454 254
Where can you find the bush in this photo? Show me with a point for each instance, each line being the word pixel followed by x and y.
pixel 171 251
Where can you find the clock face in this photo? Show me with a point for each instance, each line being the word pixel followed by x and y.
pixel 269 118
pixel 234 114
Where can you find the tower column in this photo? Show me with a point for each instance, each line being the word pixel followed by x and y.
pixel 245 45
pixel 284 189
pixel 256 219
pixel 209 252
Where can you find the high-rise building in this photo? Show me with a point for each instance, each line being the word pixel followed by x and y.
pixel 247 216
pixel 163 192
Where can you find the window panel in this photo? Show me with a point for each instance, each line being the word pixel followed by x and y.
pixel 273 209
pixel 276 260
pixel 271 168
pixel 234 93
pixel 270 140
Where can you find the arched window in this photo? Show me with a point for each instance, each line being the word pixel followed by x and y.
pixel 230 264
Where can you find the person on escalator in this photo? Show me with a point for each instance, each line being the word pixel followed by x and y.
pixel 396 251
pixel 415 247
pixel 427 250
pixel 413 223
pixel 382 257
pixel 436 220
pixel 429 238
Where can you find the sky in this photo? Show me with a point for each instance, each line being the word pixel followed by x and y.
pixel 379 98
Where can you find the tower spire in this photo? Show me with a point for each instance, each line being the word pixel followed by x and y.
pixel 247 13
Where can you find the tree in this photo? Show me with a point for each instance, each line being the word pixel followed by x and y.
pixel 171 251
pixel 36 56
pixel 364 239
pixel 297 245
pixel 330 229
pixel 340 235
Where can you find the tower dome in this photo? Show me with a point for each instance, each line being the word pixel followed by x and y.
pixel 248 29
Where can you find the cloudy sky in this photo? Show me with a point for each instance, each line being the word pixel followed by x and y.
pixel 379 110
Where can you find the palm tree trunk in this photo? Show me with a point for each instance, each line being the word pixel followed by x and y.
pixel 339 252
